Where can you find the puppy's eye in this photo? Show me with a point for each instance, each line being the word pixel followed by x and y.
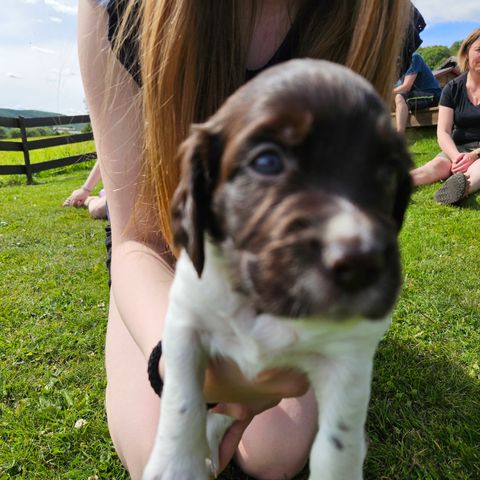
pixel 268 163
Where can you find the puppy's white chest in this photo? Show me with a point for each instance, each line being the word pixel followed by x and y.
pixel 229 327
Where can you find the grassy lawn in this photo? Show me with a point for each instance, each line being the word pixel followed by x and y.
pixel 424 419
pixel 39 156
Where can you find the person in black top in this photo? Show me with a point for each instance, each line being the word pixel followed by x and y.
pixel 458 131
pixel 149 69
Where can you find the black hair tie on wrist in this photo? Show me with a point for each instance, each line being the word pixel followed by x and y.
pixel 154 375
pixel 153 372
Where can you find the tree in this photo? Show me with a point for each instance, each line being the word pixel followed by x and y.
pixel 87 128
pixel 3 132
pixel 455 47
pixel 434 55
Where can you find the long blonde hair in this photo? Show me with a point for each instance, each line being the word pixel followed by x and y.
pixel 193 55
pixel 462 55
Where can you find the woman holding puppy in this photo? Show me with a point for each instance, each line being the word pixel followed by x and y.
pixel 150 68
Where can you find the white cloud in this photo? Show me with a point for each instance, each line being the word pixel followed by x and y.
pixel 68 72
pixel 36 37
pixel 13 75
pixel 61 7
pixel 48 82
pixel 45 51
pixel 438 11
pixel 14 24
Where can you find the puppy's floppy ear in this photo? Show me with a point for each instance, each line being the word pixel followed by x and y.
pixel 404 181
pixel 398 153
pixel 402 199
pixel 191 210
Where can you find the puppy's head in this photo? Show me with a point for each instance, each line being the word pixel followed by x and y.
pixel 302 183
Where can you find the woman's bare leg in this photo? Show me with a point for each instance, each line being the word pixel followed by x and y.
pixel 473 174
pixel 276 445
pixel 437 169
pixel 401 113
pixel 97 206
pixel 132 406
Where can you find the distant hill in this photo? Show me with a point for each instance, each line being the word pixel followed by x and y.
pixel 10 112
pixel 13 113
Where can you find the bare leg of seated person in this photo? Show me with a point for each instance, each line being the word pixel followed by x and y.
pixel 459 186
pixel 437 169
pixel 277 443
pixel 473 175
pixel 97 206
pixel 401 113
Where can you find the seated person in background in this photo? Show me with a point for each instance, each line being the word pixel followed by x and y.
pixel 418 89
pixel 458 131
pixel 97 205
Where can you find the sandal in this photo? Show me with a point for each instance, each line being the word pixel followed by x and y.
pixel 453 190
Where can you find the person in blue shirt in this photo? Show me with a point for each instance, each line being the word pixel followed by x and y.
pixel 418 89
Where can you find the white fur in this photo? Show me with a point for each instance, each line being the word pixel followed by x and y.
pixel 207 318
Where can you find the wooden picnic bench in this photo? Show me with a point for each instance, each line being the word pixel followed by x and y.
pixel 423 118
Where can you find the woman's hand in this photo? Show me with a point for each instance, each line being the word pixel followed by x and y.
pixel 224 382
pixel 242 399
pixel 463 161
pixel 77 198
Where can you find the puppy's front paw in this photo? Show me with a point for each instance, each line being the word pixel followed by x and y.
pixel 217 425
pixel 177 470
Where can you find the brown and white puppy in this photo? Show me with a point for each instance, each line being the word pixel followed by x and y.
pixel 287 216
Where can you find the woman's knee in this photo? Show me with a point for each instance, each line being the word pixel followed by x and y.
pixel 273 472
pixel 277 443
pixel 280 459
pixel 283 470
pixel 443 166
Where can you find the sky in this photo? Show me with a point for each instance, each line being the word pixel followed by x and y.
pixel 38 58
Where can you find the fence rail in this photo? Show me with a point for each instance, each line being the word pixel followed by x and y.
pixel 25 145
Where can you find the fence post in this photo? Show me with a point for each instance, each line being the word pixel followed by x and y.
pixel 26 153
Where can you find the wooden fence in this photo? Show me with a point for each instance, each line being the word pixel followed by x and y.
pixel 26 146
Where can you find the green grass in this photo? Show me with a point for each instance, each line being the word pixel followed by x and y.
pixel 424 418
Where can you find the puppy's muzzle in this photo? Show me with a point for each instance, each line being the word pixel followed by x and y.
pixel 325 257
pixel 351 266
pixel 355 250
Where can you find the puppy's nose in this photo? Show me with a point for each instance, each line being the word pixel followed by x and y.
pixel 353 267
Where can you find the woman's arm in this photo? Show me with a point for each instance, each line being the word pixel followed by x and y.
pixel 77 197
pixel 444 132
pixel 407 84
pixel 93 178
pixel 140 278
